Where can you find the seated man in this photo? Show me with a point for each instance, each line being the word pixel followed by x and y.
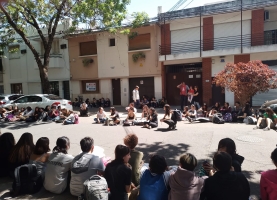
pixel 84 166
pixel 84 109
pixel 269 121
pixel 225 183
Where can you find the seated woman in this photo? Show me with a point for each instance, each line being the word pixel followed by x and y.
pixel 114 116
pixel 145 101
pixel 7 143
pixel 246 112
pixel 58 167
pixel 145 112
pixel 84 110
pixel 216 106
pixel 226 109
pixel 39 157
pixel 54 114
pixel 119 175
pixel 130 117
pixel 64 113
pixel 204 110
pixel 268 180
pixel 183 183
pixel 70 119
pixel 37 114
pixel 94 102
pixel 152 120
pixel 101 116
pixel 154 181
pixel 131 105
pixel 236 111
pixel 269 121
pixel 167 118
pixel 185 111
pixel 21 152
pixel 192 114
pixel 153 102
pixel 131 141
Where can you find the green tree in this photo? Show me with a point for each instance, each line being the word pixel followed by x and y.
pixel 16 15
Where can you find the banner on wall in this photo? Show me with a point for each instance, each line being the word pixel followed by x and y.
pixel 91 87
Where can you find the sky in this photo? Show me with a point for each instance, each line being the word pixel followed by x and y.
pixel 151 6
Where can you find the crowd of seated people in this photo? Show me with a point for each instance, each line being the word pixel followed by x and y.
pixel 128 176
pixel 94 103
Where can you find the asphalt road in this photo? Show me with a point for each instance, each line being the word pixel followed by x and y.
pixel 200 139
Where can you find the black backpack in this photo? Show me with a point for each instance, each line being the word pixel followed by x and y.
pixel 218 118
pixel 177 115
pixel 26 180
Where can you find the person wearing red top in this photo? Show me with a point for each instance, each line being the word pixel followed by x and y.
pixel 183 94
pixel 268 182
pixel 54 114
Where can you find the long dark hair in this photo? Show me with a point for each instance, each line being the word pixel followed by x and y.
pixel 42 146
pixel 7 142
pixel 153 110
pixel 113 110
pixel 167 109
pixel 270 112
pixel 229 144
pixel 62 144
pixel 121 151
pixel 23 149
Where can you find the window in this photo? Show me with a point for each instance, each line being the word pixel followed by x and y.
pixel 90 86
pixel 16 88
pixel 53 97
pixel 266 15
pixel 112 42
pixel 14 97
pixel 21 100
pixel 88 48
pixel 55 48
pixel 142 41
pixel 270 37
pixel 14 52
pixel 34 99
pixel 54 88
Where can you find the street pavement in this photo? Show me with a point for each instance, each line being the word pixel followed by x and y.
pixel 200 139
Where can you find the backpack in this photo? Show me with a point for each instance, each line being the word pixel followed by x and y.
pixel 176 115
pixel 250 120
pixel 228 117
pixel 26 180
pixel 76 121
pixel 217 119
pixel 95 188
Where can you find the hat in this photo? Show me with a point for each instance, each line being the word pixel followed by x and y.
pixel 137 86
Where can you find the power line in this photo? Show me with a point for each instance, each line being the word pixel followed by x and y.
pixel 177 5
pixel 187 4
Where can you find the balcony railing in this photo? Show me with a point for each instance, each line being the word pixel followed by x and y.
pixel 221 43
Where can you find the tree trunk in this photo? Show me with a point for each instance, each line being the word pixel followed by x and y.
pixel 43 72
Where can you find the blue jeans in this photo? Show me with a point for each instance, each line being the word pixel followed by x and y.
pixel 101 120
pixel 137 103
pixel 197 105
pixel 184 101
pixel 68 122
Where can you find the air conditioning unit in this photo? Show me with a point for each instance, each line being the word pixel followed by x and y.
pixel 266 15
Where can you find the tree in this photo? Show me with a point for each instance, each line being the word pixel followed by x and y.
pixel 45 15
pixel 246 79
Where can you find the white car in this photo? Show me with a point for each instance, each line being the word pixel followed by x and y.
pixel 40 100
pixel 7 98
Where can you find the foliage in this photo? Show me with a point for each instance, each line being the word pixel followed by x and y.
pixel 246 79
pixel 137 56
pixel 43 17
pixel 87 61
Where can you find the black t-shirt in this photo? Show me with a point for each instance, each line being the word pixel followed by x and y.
pixel 196 98
pixel 118 176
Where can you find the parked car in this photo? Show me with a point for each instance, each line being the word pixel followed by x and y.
pixel 7 98
pixel 41 100
pixel 269 104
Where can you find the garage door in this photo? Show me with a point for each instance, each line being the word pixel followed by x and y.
pixel 146 86
pixel 259 99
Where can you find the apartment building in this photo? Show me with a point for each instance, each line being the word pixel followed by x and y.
pixel 20 71
pixel 111 65
pixel 197 43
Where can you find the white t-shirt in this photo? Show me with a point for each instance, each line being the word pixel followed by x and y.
pixel 101 116
pixel 56 172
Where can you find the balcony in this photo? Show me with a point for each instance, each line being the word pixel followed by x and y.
pixel 56 61
pixel 217 47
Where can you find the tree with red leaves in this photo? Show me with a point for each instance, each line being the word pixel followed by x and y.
pixel 246 79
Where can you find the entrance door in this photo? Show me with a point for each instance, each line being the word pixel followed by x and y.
pixel 218 95
pixel 66 92
pixel 116 92
pixel 146 87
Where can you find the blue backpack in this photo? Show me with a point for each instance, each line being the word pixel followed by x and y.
pixel 228 117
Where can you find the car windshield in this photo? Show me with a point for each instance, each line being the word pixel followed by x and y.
pixel 53 97
pixel 1 98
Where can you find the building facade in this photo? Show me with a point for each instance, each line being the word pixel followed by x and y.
pixel 197 43
pixel 105 65
pixel 20 71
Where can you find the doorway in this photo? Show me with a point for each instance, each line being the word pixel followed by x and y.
pixel 146 87
pixel 218 94
pixel 66 91
pixel 116 91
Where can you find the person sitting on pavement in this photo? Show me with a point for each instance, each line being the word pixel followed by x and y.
pixel 152 119
pixel 21 153
pixel 153 102
pixel 71 119
pixel 269 121
pixel 145 101
pixel 54 114
pixel 192 113
pixel 84 110
pixel 40 155
pixel 118 174
pixel 27 114
pixel 167 118
pixel 58 167
pixel 130 117
pixel 237 111
pixel 225 183
pixel 154 181
pixel 183 183
pixel 114 116
pixel 107 103
pixel 131 105
pixel 216 106
pixel 101 116
pixel 131 141
pixel 185 111
pixel 244 113
pixel 145 112
pixel 225 109
pixel 7 143
pixel 268 182
pixel 204 110
pixel 84 166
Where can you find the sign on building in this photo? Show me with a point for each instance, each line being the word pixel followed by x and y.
pixel 91 87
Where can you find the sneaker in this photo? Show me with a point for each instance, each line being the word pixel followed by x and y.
pixel 255 128
pixel 190 120
pixel 266 129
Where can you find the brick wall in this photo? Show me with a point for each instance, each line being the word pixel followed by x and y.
pixel 208 34
pixel 165 39
pixel 257 27
pixel 207 75
pixel 163 79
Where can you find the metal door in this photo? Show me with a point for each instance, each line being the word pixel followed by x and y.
pixel 116 92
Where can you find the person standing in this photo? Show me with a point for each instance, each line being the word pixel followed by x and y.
pixel 136 96
pixel 196 98
pixel 183 94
